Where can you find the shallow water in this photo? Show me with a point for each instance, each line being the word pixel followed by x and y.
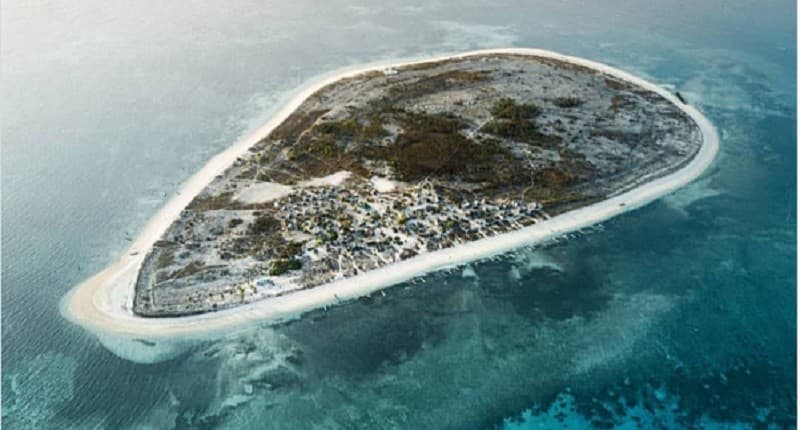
pixel 681 314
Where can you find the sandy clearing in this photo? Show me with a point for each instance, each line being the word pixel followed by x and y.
pixel 263 192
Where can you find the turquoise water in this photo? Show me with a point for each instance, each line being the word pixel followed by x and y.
pixel 680 315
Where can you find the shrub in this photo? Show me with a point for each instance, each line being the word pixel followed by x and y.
pixel 507 108
pixel 264 225
pixel 283 265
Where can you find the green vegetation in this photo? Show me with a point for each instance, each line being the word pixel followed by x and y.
pixel 318 146
pixel 512 120
pixel 283 265
pixel 507 108
pixel 517 130
pixel 233 223
pixel 346 128
pixel 291 250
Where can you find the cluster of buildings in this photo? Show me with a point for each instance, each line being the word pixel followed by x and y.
pixel 356 228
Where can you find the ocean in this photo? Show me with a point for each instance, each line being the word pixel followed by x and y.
pixel 677 315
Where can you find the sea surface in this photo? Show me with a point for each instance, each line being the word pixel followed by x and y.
pixel 677 315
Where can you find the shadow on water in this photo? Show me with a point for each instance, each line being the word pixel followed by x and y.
pixel 358 338
pixel 547 293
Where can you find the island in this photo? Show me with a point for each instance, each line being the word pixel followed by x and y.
pixel 375 175
pixel 388 165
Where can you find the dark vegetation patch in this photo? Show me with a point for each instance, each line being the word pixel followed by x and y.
pixel 442 82
pixel 295 124
pixel 507 108
pixel 622 101
pixel 261 248
pixel 567 102
pixel 515 121
pixel 205 202
pixel 263 241
pixel 621 136
pixel 615 84
pixel 283 265
pixel 322 151
pixel 287 259
pixel 235 222
pixel 432 145
pixel 188 270
pixel 341 131
pixel 165 258
pixel 465 76
pixel 264 224
pixel 559 185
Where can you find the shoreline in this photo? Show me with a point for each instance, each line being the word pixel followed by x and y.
pixel 103 303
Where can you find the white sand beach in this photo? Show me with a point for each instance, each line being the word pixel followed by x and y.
pixel 103 303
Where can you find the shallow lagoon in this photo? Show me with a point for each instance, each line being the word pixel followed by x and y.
pixel 681 313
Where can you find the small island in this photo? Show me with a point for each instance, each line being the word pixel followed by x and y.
pixel 373 175
pixel 401 162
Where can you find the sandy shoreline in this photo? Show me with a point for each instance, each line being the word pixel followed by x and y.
pixel 103 303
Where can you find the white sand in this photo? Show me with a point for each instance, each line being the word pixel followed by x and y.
pixel 333 180
pixel 383 185
pixel 263 192
pixel 102 304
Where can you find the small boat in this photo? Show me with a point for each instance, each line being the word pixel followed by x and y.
pixel 680 97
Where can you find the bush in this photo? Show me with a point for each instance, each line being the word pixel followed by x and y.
pixel 340 129
pixel 264 225
pixel 283 265
pixel 511 129
pixel 507 108
pixel 291 249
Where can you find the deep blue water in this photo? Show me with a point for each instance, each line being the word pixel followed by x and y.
pixel 678 315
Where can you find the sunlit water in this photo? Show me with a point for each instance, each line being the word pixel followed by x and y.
pixel 681 314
